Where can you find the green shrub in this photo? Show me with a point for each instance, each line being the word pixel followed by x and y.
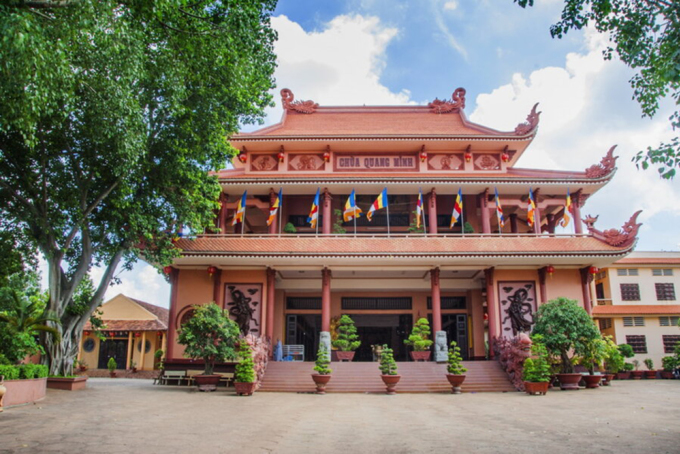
pixel 112 365
pixel 27 371
pixel 419 336
pixel 628 367
pixel 455 365
pixel 245 369
pixel 347 340
pixel 537 369
pixel 289 228
pixel 626 350
pixel 322 362
pixel 649 363
pixel 669 363
pixel 10 372
pixel 613 360
pixel 388 366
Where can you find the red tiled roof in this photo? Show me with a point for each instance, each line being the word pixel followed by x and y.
pixel 130 325
pixel 636 309
pixel 311 245
pixel 648 261
pixel 161 313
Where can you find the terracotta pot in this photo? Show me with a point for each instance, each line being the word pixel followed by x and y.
pixel 569 381
pixel 345 356
pixel 321 381
pixel 592 381
pixel 455 381
pixel 67 384
pixel 623 375
pixel 113 374
pixel 390 382
pixel 650 374
pixel 666 374
pixel 637 374
pixel 244 389
pixel 207 383
pixel 536 388
pixel 607 380
pixel 421 356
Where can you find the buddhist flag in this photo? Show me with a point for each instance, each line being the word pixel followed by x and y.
pixel 419 209
pixel 499 211
pixel 457 208
pixel 274 208
pixel 314 212
pixel 240 210
pixel 567 209
pixel 351 209
pixel 531 208
pixel 380 202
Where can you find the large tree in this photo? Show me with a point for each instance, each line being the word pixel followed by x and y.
pixel 645 34
pixel 113 114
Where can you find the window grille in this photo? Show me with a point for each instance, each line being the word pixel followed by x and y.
pixel 376 303
pixel 605 323
pixel 639 343
pixel 449 302
pixel 662 272
pixel 665 292
pixel 627 272
pixel 668 321
pixel 630 292
pixel 303 303
pixel 633 321
pixel 669 342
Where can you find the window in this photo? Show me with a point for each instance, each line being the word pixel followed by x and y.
pixel 448 302
pixel 639 343
pixel 627 272
pixel 303 303
pixel 601 275
pixel 665 292
pixel 372 303
pixel 660 272
pixel 630 292
pixel 605 323
pixel 633 321
pixel 668 321
pixel 669 343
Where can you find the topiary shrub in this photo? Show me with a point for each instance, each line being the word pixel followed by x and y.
pixel 112 365
pixel 347 340
pixel 387 365
pixel 537 369
pixel 455 361
pixel 245 369
pixel 418 339
pixel 322 362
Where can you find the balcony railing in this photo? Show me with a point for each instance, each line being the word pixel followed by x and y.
pixel 390 235
pixel 604 302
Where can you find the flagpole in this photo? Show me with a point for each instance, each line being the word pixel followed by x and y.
pixel 243 221
pixel 355 217
pixel 280 210
pixel 388 219
pixel 422 210
pixel 462 216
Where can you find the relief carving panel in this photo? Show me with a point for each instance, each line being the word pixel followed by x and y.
pixel 302 162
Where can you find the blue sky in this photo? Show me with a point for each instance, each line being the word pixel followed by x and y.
pixel 395 52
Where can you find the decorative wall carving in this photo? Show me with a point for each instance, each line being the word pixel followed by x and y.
pixel 288 102
pixel 518 304
pixel 445 162
pixel 303 162
pixel 264 163
pixel 606 165
pixel 487 162
pixel 530 124
pixel 243 303
pixel 445 106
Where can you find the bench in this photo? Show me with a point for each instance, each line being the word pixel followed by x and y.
pixel 227 378
pixel 190 376
pixel 168 375
pixel 293 352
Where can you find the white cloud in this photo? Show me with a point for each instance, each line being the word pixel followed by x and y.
pixel 451 6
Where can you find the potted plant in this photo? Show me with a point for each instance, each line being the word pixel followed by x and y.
pixel 347 340
pixel 419 340
pixel 244 376
pixel 593 354
pixel 112 365
pixel 650 373
pixel 80 365
pixel 455 369
pixel 388 367
pixel 613 361
pixel 133 366
pixel 627 352
pixel 566 328
pixel 637 373
pixel 669 363
pixel 536 370
pixel 289 228
pixel 627 372
pixel 323 371
pixel 209 335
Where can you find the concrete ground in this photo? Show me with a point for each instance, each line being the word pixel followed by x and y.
pixel 125 415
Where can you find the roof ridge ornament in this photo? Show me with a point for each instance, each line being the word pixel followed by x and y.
pixel 624 237
pixel 530 124
pixel 456 104
pixel 605 167
pixel 288 102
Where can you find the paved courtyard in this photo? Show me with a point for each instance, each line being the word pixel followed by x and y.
pixel 126 415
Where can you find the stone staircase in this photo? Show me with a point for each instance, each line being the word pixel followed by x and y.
pixel 357 377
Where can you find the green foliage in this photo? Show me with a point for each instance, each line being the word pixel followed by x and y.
pixel 537 369
pixel 27 371
pixel 467 228
pixel 669 363
pixel 289 228
pixel 387 365
pixel 566 329
pixel 245 369
pixel 593 354
pixel 347 340
pixel 649 363
pixel 626 350
pixel 323 361
pixel 628 367
pixel 209 335
pixel 337 224
pixel 636 364
pixel 418 339
pixel 455 361
pixel 10 372
pixel 645 35
pixel 413 228
pixel 112 365
pixel 614 360
pixel 114 114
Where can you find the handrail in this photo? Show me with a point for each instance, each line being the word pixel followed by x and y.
pixel 385 235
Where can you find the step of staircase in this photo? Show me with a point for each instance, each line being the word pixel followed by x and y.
pixel 356 377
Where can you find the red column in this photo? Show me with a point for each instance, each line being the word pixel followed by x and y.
pixel 274 226
pixel 271 283
pixel 513 223
pixel 217 287
pixel 491 307
pixel 542 285
pixel 223 212
pixel 432 212
pixel 484 208
pixel 577 201
pixel 172 329
pixel 326 227
pixel 436 301
pixel 586 277
pixel 326 300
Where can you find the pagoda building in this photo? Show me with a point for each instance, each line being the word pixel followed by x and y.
pixel 482 278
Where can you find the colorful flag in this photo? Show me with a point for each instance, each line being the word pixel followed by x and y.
pixel 351 209
pixel 499 211
pixel 274 208
pixel 314 212
pixel 380 202
pixel 419 209
pixel 531 208
pixel 240 210
pixel 567 209
pixel 457 208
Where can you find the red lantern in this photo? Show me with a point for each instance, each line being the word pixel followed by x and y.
pixel 327 156
pixel 550 270
pixel 211 270
pixel 505 157
pixel 468 157
pixel 593 270
pixel 423 156
pixel 159 333
pixel 242 157
pixel 138 334
pixel 167 269
pixel 281 155
pixel 86 333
